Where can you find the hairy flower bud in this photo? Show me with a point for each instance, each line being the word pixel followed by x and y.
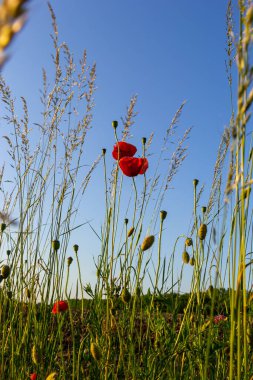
pixel 202 231
pixel 55 245
pixel 147 242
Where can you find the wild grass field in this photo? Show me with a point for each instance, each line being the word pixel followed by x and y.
pixel 119 328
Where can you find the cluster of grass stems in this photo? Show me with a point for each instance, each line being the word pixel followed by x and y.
pixel 122 331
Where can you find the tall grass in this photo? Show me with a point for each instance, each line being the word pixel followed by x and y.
pixel 123 331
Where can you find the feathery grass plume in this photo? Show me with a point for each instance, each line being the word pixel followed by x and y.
pixel 202 231
pixel 188 242
pixel 5 271
pixel 147 242
pixel 192 261
pixel 128 120
pixel 125 296
pixel 95 351
pixel 12 19
pixel 185 257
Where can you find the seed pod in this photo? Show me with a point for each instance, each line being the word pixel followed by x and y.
pixel 125 296
pixel 69 261
pixel 52 376
pixel 147 242
pixel 186 257
pixel 202 231
pixel 130 232
pixel 188 242
pixel 76 248
pixel 35 355
pixel 55 245
pixel 95 351
pixel 114 124
pixel 5 271
pixel 3 227
pixel 163 215
pixel 192 261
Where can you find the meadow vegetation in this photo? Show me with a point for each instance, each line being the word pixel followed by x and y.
pixel 117 329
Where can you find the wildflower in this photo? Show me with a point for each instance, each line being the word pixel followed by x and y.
pixel 218 318
pixel 147 242
pixel 59 306
pixel 95 351
pixel 123 149
pixel 33 376
pixel 132 166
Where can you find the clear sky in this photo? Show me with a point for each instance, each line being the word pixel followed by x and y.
pixel 165 51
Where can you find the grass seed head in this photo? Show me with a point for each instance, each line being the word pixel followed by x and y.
pixel 186 257
pixel 147 242
pixel 130 232
pixel 188 242
pixel 202 231
pixel 95 351
pixel 5 271
pixel 35 355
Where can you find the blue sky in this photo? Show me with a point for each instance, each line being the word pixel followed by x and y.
pixel 166 52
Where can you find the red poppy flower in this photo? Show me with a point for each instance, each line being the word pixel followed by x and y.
pixel 59 306
pixel 33 376
pixel 123 149
pixel 132 166
pixel 218 318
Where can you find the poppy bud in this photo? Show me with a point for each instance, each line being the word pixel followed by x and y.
pixel 104 151
pixel 130 232
pixel 203 209
pixel 5 271
pixel 195 182
pixel 114 124
pixel 125 296
pixel 202 231
pixel 69 260
pixel 185 257
pixel 95 351
pixel 35 355
pixel 55 245
pixel 147 242
pixel 163 215
pixel 8 252
pixel 192 261
pixel 188 242
pixel 126 221
pixel 76 248
pixel 144 140
pixel 3 227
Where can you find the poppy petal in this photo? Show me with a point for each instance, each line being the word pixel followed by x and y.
pixel 123 149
